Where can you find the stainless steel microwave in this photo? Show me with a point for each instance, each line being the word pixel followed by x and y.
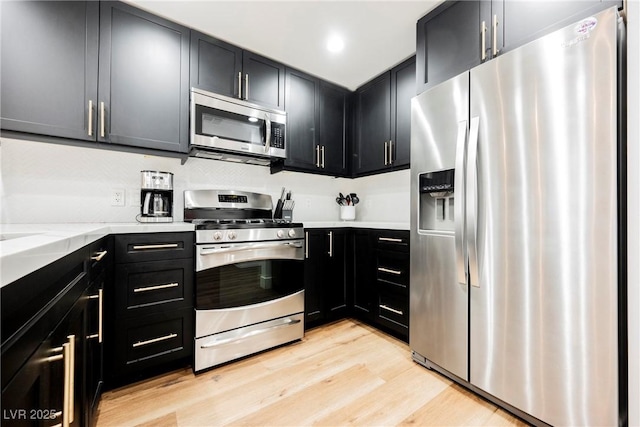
pixel 225 128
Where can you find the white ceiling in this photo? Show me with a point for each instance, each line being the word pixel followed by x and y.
pixel 378 34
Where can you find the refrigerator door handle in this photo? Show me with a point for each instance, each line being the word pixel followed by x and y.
pixel 459 203
pixel 472 202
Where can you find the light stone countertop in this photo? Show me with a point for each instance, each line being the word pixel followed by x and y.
pixel 25 248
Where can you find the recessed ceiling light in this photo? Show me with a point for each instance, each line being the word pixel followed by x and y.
pixel 335 44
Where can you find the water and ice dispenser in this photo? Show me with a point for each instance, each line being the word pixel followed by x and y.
pixel 436 210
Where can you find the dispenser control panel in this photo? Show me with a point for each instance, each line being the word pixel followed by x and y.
pixel 437 182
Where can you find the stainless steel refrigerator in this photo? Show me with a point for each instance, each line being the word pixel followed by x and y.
pixel 514 226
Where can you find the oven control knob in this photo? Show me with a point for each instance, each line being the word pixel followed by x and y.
pixel 217 235
pixel 292 232
pixel 280 234
pixel 232 235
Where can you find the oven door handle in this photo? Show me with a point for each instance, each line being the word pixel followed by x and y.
pixel 224 249
pixel 216 343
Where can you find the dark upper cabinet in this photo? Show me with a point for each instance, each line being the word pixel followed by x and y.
pixel 383 121
pixel 216 66
pixel 403 88
pixel 520 22
pixel 49 68
pixel 143 79
pixel 130 88
pixel 263 80
pixel 316 125
pixel 373 125
pixel 223 68
pixel 333 119
pixel 449 41
pixel 458 35
pixel 302 120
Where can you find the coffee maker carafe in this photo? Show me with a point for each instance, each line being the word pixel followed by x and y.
pixel 156 196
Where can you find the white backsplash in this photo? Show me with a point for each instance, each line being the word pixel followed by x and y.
pixel 51 183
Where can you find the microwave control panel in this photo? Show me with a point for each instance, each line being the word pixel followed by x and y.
pixel 277 135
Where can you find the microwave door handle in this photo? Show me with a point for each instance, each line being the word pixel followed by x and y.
pixel 267 128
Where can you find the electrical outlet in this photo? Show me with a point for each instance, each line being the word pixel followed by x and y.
pixel 117 197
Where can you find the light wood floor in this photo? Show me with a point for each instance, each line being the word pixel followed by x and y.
pixel 345 373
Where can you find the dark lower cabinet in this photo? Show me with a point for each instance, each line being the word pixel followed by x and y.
pixel 358 272
pixel 44 345
pixel 100 273
pixel 364 290
pixel 150 306
pixel 325 275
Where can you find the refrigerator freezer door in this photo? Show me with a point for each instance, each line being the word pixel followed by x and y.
pixel 544 315
pixel 439 300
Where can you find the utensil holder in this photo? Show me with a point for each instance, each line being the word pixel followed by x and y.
pixel 347 213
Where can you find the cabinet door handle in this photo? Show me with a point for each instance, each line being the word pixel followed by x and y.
pixel 154 340
pixel 331 244
pixel 386 153
pixel 98 256
pixel 90 133
pixel 239 84
pixel 495 35
pixel 246 87
pixel 389 239
pixel 388 270
pixel 100 314
pixel 393 310
pixel 102 126
pixel 317 156
pixel 156 287
pixel 483 38
pixel 322 150
pixel 390 152
pixel 67 355
pixel 306 245
pixel 159 246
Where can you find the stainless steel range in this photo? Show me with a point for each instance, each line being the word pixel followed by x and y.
pixel 249 275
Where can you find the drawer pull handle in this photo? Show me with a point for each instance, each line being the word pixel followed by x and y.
pixel 98 256
pixel 160 246
pixel 393 310
pixel 389 239
pixel 214 343
pixel 154 340
pixel 387 270
pixel 155 288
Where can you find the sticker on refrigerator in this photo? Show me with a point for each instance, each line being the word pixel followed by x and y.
pixel 583 30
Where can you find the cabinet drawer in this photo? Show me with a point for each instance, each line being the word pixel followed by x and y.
pixel 152 340
pixel 393 311
pixel 153 246
pixel 149 284
pixel 393 241
pixel 393 269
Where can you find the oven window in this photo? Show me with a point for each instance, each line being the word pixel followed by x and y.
pixel 247 283
pixel 224 124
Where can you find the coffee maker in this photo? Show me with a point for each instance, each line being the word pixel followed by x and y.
pixel 156 196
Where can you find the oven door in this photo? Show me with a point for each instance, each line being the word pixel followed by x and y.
pixel 244 274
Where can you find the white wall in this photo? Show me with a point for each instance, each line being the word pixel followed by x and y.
pixel 51 183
